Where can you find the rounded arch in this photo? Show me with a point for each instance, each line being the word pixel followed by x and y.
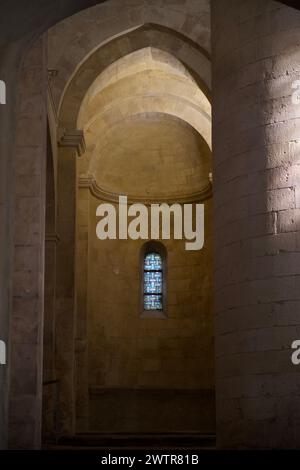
pixel 154 247
pixel 171 105
pixel 143 82
pixel 29 21
pixel 100 164
pixel 160 71
pixel 191 56
pixel 71 88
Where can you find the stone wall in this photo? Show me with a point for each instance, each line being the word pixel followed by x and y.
pixel 256 222
pixel 28 21
pixel 130 353
pixel 28 261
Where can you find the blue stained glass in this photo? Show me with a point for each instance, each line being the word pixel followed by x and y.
pixel 153 262
pixel 153 282
pixel 153 302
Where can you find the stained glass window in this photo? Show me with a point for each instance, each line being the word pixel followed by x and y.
pixel 153 282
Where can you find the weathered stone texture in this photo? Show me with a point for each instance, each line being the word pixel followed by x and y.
pixel 256 175
pixel 28 259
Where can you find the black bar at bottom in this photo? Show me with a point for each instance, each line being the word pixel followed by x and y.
pixel 146 459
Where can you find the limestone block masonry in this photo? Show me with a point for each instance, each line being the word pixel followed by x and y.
pixel 26 338
pixel 256 58
pixel 17 30
pixel 256 180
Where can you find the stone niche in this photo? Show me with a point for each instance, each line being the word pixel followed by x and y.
pixel 147 374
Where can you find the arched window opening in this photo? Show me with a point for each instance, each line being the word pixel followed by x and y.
pixel 153 280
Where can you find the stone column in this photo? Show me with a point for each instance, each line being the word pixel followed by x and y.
pixel 28 261
pixel 82 247
pixel 256 147
pixel 9 62
pixel 50 384
pixel 17 29
pixel 50 389
pixel 71 144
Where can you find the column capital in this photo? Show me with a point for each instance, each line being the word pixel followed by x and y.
pixel 52 238
pixel 72 138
